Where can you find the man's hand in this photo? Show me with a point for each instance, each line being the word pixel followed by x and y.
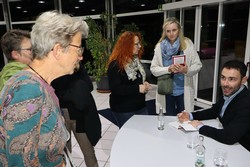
pixel 196 123
pixel 183 116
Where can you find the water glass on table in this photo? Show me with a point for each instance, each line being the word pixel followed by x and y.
pixel 192 139
pixel 220 158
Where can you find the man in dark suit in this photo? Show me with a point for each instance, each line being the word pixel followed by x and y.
pixel 233 110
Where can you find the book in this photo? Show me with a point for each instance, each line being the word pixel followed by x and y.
pixel 185 125
pixel 179 59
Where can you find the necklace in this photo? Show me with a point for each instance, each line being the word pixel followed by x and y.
pixel 38 74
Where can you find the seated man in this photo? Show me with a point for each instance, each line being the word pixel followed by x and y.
pixel 233 110
pixel 16 47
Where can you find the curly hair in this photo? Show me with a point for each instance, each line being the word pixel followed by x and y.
pixel 123 49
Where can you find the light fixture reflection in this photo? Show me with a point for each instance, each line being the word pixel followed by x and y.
pixel 41 1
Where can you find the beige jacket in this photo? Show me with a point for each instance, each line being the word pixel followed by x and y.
pixel 194 66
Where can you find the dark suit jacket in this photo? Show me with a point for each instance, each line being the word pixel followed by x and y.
pixel 74 93
pixel 235 121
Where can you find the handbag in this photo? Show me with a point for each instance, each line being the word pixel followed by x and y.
pixel 165 84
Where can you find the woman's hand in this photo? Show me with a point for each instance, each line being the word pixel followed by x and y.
pixel 145 87
pixel 178 68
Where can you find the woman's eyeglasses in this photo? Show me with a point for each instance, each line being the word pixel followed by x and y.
pixel 80 49
pixel 29 49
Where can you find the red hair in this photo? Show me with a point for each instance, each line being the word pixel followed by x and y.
pixel 123 49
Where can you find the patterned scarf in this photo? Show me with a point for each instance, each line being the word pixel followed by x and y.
pixel 168 50
pixel 132 68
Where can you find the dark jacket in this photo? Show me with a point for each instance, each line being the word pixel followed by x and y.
pixel 235 121
pixel 125 95
pixel 74 93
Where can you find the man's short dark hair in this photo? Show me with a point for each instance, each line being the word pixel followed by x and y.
pixel 238 65
pixel 12 40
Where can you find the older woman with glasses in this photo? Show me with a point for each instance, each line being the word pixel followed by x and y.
pixel 32 130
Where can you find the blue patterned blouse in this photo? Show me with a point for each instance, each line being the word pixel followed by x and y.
pixel 25 101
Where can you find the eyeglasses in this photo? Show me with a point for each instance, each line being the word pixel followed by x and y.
pixel 29 49
pixel 138 44
pixel 80 49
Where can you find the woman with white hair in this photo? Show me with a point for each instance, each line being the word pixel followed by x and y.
pixel 32 130
pixel 174 43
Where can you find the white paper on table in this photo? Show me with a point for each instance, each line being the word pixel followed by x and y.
pixel 185 125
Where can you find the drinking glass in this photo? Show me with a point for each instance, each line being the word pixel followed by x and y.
pixel 192 139
pixel 220 158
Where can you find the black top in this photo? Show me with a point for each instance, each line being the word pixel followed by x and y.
pixel 74 93
pixel 125 95
pixel 235 121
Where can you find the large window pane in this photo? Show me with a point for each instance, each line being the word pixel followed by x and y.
pixel 83 7
pixel 234 30
pixel 29 9
pixel 150 26
pixel 23 26
pixel 2 31
pixel 207 51
pixel 189 23
pixel 1 13
pixel 136 5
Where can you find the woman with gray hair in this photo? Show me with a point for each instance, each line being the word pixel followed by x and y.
pixel 32 130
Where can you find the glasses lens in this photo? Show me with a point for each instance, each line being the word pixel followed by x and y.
pixel 81 49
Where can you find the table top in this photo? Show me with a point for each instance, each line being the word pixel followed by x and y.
pixel 140 144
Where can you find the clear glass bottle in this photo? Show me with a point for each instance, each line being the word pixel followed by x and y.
pixel 161 121
pixel 200 153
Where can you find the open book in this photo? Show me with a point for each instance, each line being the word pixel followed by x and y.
pixel 185 125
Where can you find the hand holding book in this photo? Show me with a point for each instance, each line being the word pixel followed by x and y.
pixel 178 64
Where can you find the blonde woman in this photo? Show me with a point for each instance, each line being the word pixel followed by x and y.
pixel 171 43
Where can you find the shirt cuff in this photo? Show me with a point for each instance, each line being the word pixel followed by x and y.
pixel 191 118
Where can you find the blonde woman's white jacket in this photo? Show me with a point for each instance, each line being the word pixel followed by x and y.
pixel 194 66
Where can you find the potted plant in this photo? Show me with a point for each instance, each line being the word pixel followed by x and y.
pixel 99 46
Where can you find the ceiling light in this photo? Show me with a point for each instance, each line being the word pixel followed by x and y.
pixel 19 7
pixel 81 1
pixel 25 11
pixel 77 7
pixel 41 1
pixel 143 4
pixel 92 10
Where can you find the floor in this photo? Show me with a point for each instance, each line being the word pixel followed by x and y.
pixel 109 131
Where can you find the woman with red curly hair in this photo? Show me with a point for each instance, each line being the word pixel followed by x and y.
pixel 127 78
